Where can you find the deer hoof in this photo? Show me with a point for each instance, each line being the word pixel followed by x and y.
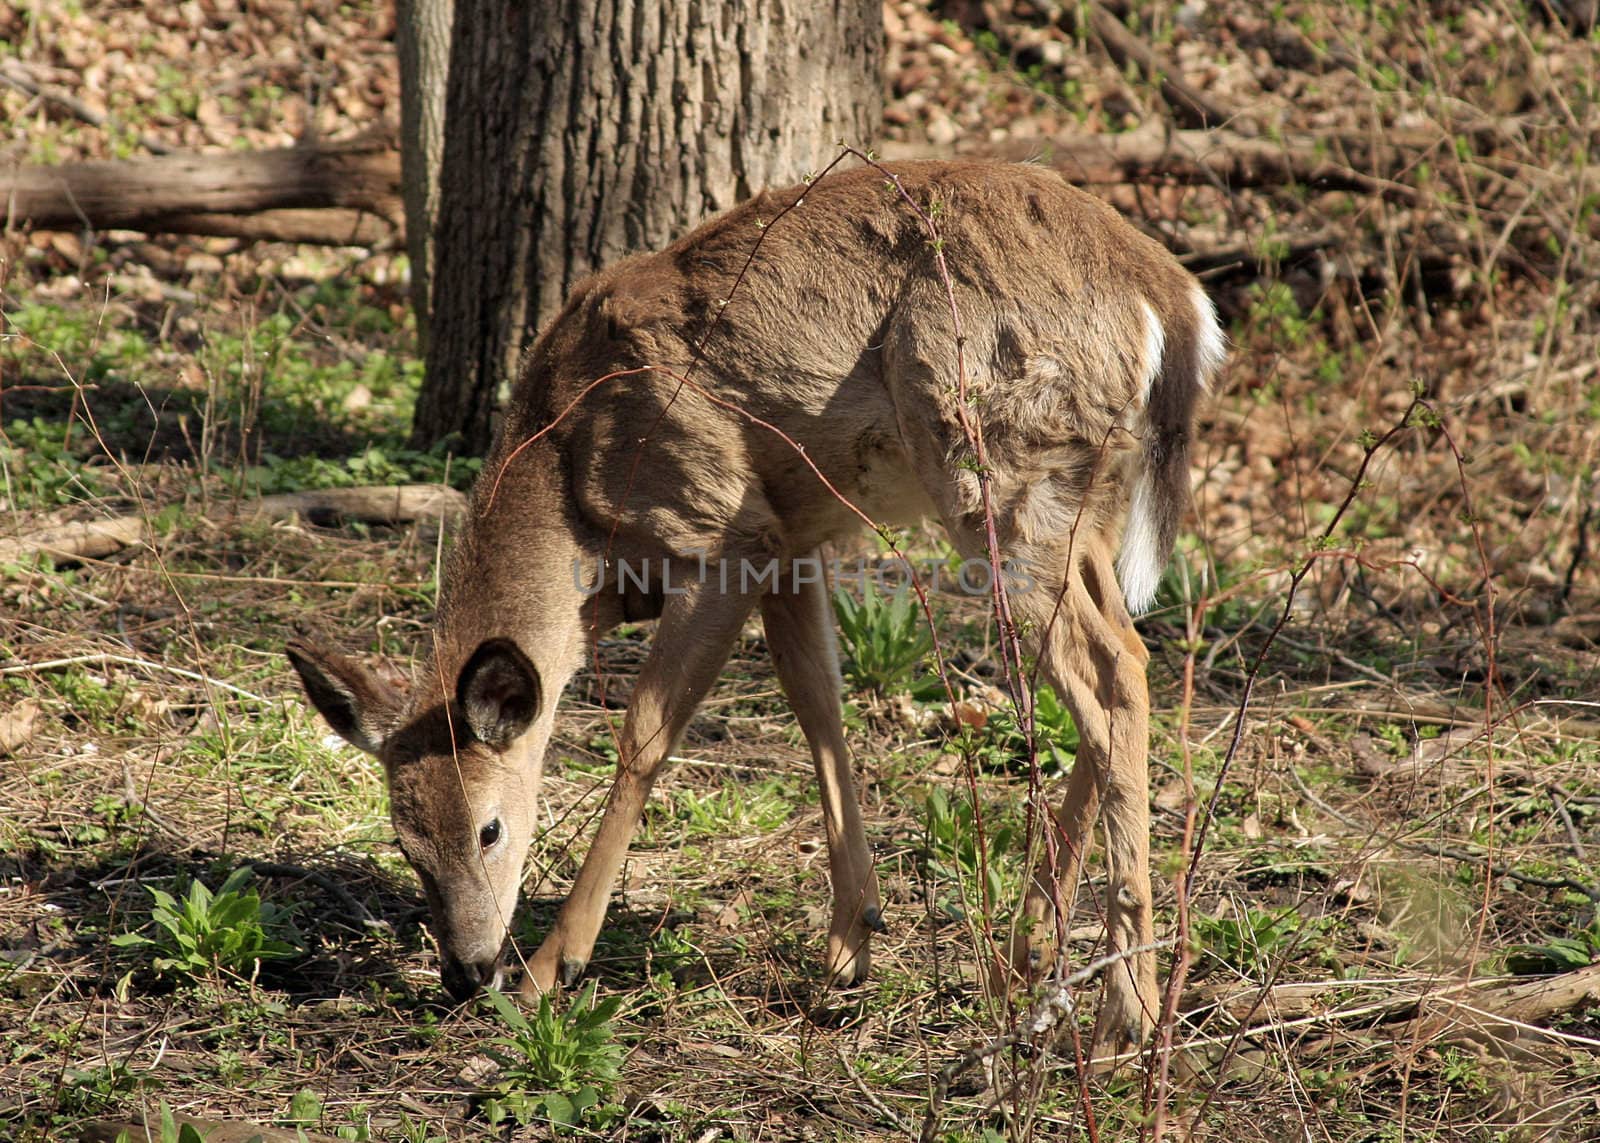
pixel 872 917
pixel 571 969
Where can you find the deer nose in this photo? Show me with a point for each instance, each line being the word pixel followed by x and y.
pixel 462 979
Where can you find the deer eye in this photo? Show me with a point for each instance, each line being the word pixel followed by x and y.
pixel 489 834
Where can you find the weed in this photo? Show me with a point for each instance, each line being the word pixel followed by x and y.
pixel 207 934
pixel 1003 747
pixel 416 1131
pixel 558 1069
pixel 1560 954
pixel 93 1091
pixel 305 1108
pixel 1252 941
pixel 42 466
pixel 1274 311
pixel 955 854
pixel 1464 1072
pixel 886 643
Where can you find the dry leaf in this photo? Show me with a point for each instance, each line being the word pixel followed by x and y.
pixel 17 725
pixel 968 714
pixel 730 915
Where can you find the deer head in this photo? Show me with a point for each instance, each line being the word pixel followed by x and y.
pixel 462 756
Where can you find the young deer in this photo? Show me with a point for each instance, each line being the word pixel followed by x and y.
pixel 1085 345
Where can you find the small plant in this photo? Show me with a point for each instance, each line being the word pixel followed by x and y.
pixel 1252 940
pixel 886 643
pixel 205 934
pixel 1003 746
pixel 954 852
pixel 1560 954
pixel 558 1069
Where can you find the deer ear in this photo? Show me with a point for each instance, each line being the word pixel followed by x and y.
pixel 498 691
pixel 362 708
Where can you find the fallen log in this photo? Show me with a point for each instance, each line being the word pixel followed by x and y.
pixel 349 194
pixel 203 189
pixel 328 227
pixel 1209 158
pixel 401 504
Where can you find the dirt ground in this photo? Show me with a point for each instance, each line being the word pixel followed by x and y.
pixel 1376 757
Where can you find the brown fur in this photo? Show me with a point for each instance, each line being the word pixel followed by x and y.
pixel 839 336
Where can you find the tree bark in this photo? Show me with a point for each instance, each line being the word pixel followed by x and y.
pixel 422 41
pixel 579 133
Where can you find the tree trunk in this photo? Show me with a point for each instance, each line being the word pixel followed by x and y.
pixel 582 132
pixel 422 41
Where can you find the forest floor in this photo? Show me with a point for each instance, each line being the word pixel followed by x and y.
pixel 1375 660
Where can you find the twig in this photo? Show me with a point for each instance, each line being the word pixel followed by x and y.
pixel 323 881
pixel 1573 836
pixel 1045 1014
pixel 1189 107
pixel 130 661
pixel 14 73
pixel 890 1115
pixel 1339 657
pixel 130 793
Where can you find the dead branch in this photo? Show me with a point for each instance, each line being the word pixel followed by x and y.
pixel 155 193
pixel 90 540
pixel 403 504
pixel 1189 106
pixel 1495 1013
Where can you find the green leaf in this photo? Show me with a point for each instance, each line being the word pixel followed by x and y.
pixel 559 1108
pixel 509 1013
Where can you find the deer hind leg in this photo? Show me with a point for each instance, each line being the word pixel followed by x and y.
pixel 799 626
pixel 696 632
pixel 1093 656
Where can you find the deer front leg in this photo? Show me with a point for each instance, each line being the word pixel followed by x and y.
pixel 799 627
pixel 696 632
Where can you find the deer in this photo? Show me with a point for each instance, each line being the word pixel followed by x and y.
pixel 744 396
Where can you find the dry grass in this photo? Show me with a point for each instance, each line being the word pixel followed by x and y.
pixel 1411 797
